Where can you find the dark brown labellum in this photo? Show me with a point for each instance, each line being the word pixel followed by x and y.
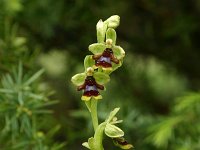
pixel 105 59
pixel 90 87
pixel 122 143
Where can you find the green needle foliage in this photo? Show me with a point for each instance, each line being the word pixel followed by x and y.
pixel 22 104
pixel 24 100
pixel 184 120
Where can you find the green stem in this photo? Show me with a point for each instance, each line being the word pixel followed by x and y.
pixel 94 113
pixel 98 136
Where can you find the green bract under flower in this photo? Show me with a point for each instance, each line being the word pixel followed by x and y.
pixel 107 55
pixel 90 81
pixel 111 130
pixel 115 132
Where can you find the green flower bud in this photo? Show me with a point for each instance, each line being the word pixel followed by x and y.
pixel 113 131
pixel 113 21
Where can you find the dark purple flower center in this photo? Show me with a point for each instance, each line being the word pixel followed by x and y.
pixel 91 88
pixel 105 59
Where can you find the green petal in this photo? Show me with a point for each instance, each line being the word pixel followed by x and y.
pixel 113 68
pixel 101 78
pixel 88 62
pixel 113 131
pixel 111 34
pixel 97 48
pixel 116 66
pixel 78 79
pixel 118 52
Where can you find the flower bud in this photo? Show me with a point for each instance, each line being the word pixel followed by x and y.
pixel 113 21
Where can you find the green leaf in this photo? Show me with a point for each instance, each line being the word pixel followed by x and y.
pixel 101 30
pixel 97 48
pixel 118 52
pixel 34 77
pixel 78 79
pixel 20 72
pixel 112 114
pixel 88 62
pixel 187 102
pixel 101 78
pixel 53 131
pixel 162 132
pixel 19 41
pixel 6 91
pixel 111 34
pixel 113 131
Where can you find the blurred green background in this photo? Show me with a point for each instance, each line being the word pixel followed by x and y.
pixel 157 87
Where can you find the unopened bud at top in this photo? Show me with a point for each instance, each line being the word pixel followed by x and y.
pixel 113 21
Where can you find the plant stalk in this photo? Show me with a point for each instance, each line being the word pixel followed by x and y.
pixel 94 113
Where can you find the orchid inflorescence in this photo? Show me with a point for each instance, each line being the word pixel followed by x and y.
pixel 106 58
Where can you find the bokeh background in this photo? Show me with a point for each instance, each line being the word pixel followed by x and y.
pixel 157 86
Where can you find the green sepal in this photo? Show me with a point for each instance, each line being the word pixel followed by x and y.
pixel 116 66
pixel 78 79
pixel 113 21
pixel 101 78
pixel 97 48
pixel 118 52
pixel 111 34
pixel 113 131
pixel 112 115
pixel 101 28
pixel 88 62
